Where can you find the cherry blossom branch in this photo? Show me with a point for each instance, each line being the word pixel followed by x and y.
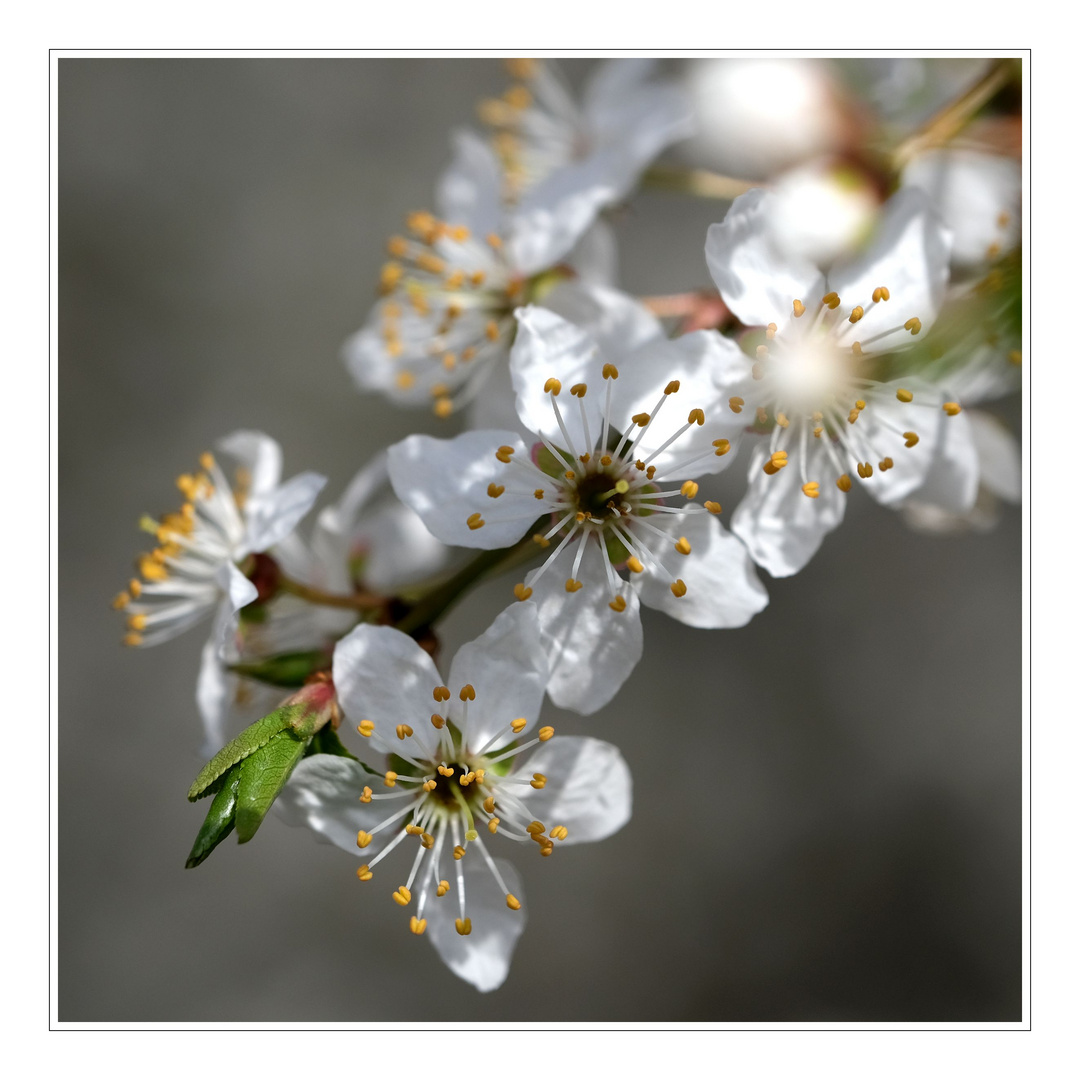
pixel 700 182
pixel 359 601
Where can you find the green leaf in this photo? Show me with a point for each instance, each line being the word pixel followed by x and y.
pixel 285 669
pixel 262 776
pixel 246 743
pixel 220 819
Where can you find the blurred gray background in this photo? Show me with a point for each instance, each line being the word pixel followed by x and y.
pixel 827 820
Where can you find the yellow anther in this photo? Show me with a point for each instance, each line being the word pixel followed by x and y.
pixel 445 770
pixel 831 300
pixel 442 888
pixel 697 416
pixel 427 841
pixel 363 839
pixel 518 97
pixel 479 775
pixel 844 482
pixel 491 331
pixel 463 926
pixel 609 371
pixel 394 347
pixel 914 325
pixel 417 926
pixel 581 516
pixel 798 308
pixel 422 222
pixel 545 733
pixel 522 591
pixel 779 458
pixel 672 387
pixel 489 804
pixel 880 293
pixel 634 565
pixel 689 489
pixel 541 540
pixel 993 251
pixel 736 404
pixel 449 361
pixel 151 568
pixel 206 461
pixel 762 352
pixel 430 785
pixel 713 507
pixel 503 454
pixel 770 331
pixel 605 460
pixel 365 727
pixel 853 416
pixel 459 233
pixel 856 348
pixel 910 439
pixel 856 314
pixel 885 464
pixel 547 848
pixel 431 263
pixel 365 796
pixel 438 721
pixel 570 474
pixel 538 494
pixel 363 873
pixel 132 639
pixel 441 693
pixel 512 902
pixel 390 777
pixel 402 896
pixel 578 389
pixel 467 693
pixel 405 380
pixel 618 604
pixel 403 731
pixel 475 521
pixel 390 276
pixel 811 490
pixel 553 387
pixel 443 407
pixel 493 825
pixel 904 395
pixel 641 418
pixel 559 832
pixel 538 781
pixel 952 408
pixel 639 465
pixel 121 600
pixel 585 458
pixel 650 472
pixel 722 447
pixel 459 852
pixel 494 241
pixel 817 431
pixel 572 586
pixel 413 830
pixel 682 546
pixel 678 587
pixel 860 404
pixel 495 490
pixel 535 829
pixel 782 420
pixel 770 469
pixel 865 470
pixel 757 370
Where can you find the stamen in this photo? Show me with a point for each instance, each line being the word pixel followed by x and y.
pixel 951 408
pixel 904 395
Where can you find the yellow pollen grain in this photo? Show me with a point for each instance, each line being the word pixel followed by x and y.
pixel 618 604
pixel 913 325
pixel 811 490
pixel 779 458
pixel 438 721
pixel 650 472
pixel 713 507
pixel 553 387
pixel 682 546
pixel 493 825
pixel 402 896
pixel 865 470
pixel 885 464
pixel 853 416
pixel 467 692
pixel 365 795
pixel 678 587
pixel 722 447
pixel 844 482
pixel 443 888
pixel 605 460
pixel 880 293
pixel 459 852
pixel 578 389
pixel 512 902
pixel 910 439
pixel 535 828
pixel 363 873
pixel 736 404
pixel 363 839
pixel 609 371
pixel 904 395
pixel 856 314
pixel 444 770
pixel 427 841
pixel 495 490
pixel 831 300
pixel 641 419
pixel 634 565
pixel 952 408
pixel 697 416
pixel 522 591
pixel 672 387
pixel 475 521
pixel 413 830
pixel 503 454
pixel 572 586
pixel 689 489
pixel 559 832
pixel 770 331
pixel 463 926
pixel 430 785
pixel 441 693
pixel 798 308
pixel 390 778
pixel 545 733
pixel 365 727
pixel 403 731
pixel 538 781
pixel 417 926
pixel 518 726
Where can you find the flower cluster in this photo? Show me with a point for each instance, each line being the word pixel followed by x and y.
pixel 844 343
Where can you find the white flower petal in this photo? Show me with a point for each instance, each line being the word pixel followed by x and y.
pixel 757 280
pixel 508 671
pixel 399 549
pixel 239 591
pixel 323 793
pixel 590 648
pixel 259 454
pixel 595 257
pixel 722 587
pixel 589 789
pixel 382 675
pixel 780 526
pixel 617 322
pixel 952 478
pixel 445 481
pixel 909 255
pixel 271 517
pixel 999 455
pixel 469 192
pixel 214 690
pixel 482 957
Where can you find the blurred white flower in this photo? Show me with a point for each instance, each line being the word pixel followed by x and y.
pixel 456 774
pixel 596 489
pixel 195 568
pixel 809 391
pixel 756 117
pixel 977 195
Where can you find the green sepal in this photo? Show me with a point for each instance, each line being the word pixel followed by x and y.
pixel 246 743
pixel 285 669
pixel 262 776
pixel 553 466
pixel 220 818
